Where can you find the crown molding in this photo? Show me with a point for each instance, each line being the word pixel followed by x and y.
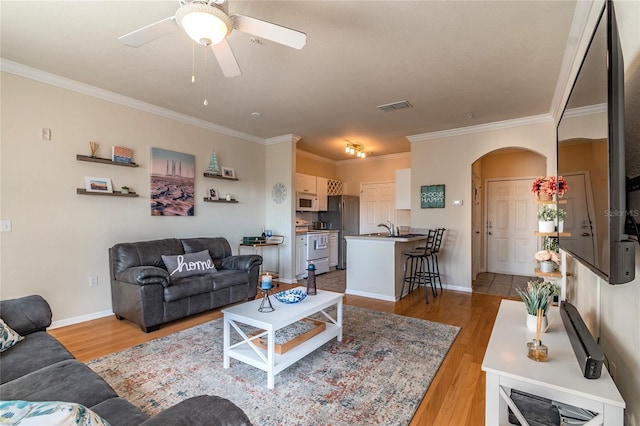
pixel 497 125
pixel 587 110
pixel 105 95
pixel 284 138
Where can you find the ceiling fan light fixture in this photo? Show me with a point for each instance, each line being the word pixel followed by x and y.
pixel 203 23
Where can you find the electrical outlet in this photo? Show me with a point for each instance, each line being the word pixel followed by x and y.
pixel 46 134
pixel 93 281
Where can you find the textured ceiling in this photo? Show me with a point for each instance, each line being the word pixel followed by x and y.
pixel 496 60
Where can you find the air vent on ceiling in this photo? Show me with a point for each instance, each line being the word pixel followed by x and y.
pixel 394 106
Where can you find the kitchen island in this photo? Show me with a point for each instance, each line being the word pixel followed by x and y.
pixel 375 264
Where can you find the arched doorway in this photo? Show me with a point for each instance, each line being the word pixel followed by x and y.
pixel 502 245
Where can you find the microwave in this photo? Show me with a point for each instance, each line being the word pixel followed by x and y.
pixel 306 202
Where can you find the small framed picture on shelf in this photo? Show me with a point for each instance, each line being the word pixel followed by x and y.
pixel 121 154
pixel 98 184
pixel 228 172
pixel 213 194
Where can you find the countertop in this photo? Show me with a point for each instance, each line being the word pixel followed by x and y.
pixel 383 237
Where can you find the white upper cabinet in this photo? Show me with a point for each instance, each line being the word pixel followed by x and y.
pixel 321 184
pixel 403 189
pixel 306 183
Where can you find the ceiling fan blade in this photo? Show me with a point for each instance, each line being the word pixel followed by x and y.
pixel 226 59
pixel 269 31
pixel 151 32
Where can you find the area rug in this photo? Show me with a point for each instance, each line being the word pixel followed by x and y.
pixel 378 374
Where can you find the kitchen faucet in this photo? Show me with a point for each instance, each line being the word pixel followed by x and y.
pixel 390 228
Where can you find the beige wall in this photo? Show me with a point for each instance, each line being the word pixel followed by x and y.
pixel 510 164
pixel 310 164
pixel 370 169
pixel 448 161
pixel 280 160
pixel 60 239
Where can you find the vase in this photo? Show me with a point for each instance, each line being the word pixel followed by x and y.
pixel 543 196
pixel 546 226
pixel 560 225
pixel 547 266
pixel 532 322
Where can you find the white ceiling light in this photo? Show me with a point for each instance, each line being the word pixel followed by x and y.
pixel 205 24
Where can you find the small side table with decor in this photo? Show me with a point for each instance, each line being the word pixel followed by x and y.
pixel 257 247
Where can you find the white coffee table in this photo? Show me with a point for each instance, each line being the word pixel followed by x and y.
pixel 284 314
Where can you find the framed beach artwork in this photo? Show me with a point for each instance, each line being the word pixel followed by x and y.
pixel 98 184
pixel 172 183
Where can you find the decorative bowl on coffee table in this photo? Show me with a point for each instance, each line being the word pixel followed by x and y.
pixel 293 295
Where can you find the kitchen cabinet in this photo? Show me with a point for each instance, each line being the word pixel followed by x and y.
pixel 301 255
pixel 333 249
pixel 403 189
pixel 306 183
pixel 321 184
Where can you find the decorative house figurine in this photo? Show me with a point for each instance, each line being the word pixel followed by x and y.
pixel 213 168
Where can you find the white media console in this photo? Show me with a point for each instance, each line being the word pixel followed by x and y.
pixel 560 379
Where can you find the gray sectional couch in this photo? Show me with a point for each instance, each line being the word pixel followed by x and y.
pixel 39 368
pixel 144 291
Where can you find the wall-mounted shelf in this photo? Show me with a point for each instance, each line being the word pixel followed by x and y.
pixel 210 200
pixel 209 175
pixel 553 234
pixel 83 191
pixel 103 161
pixel 554 274
pixel 551 201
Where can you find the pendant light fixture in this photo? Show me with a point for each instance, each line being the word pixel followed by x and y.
pixel 355 148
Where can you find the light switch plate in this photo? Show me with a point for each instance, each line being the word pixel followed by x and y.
pixel 5 226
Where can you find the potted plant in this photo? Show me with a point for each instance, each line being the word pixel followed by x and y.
pixel 560 215
pixel 548 260
pixel 545 187
pixel 546 219
pixel 537 296
pixel 125 189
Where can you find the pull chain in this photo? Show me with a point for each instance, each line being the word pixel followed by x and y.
pixel 193 63
pixel 206 102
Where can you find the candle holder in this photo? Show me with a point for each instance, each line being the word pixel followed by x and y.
pixel 537 351
pixel 266 305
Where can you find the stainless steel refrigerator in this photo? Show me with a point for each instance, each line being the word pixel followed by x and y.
pixel 343 214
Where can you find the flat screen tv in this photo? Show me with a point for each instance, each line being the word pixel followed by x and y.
pixel 591 158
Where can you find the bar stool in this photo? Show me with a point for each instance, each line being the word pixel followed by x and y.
pixel 432 259
pixel 416 267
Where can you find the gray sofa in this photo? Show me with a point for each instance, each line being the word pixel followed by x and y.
pixel 39 368
pixel 145 292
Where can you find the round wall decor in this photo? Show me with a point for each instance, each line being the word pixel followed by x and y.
pixel 279 193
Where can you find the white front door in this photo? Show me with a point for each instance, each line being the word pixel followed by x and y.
pixel 510 228
pixel 377 205
pixel 580 224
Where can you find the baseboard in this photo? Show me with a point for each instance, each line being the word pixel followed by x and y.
pixel 81 318
pixel 457 288
pixel 370 295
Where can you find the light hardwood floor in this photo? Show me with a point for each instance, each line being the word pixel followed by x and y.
pixel 455 397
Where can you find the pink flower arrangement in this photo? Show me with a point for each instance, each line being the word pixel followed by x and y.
pixel 544 255
pixel 550 185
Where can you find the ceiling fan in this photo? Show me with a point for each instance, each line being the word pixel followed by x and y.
pixel 208 23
